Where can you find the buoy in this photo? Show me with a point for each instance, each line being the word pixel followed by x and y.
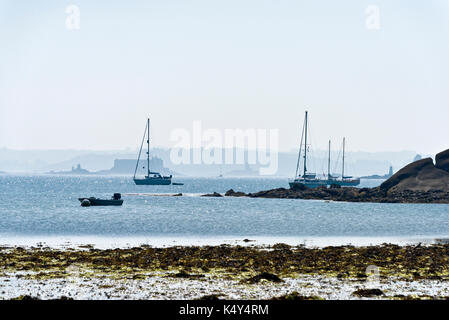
pixel 85 203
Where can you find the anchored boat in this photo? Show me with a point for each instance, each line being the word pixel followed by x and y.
pixel 310 180
pixel 116 200
pixel 307 179
pixel 152 178
pixel 344 181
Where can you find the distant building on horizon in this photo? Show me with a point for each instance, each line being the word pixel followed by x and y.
pixel 127 166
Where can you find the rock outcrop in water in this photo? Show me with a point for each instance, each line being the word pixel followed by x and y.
pixel 215 194
pixel 422 176
pixel 442 160
pixel 232 193
pixel 421 181
pixel 352 195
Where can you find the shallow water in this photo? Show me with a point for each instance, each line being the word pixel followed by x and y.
pixel 47 207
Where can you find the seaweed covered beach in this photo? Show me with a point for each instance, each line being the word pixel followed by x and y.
pixel 226 272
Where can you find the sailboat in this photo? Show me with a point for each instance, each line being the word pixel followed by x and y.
pixel 344 181
pixel 307 179
pixel 311 180
pixel 152 178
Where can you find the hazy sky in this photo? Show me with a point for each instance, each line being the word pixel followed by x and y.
pixel 232 64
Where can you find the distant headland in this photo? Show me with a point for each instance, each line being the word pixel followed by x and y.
pixel 376 176
pixel 75 171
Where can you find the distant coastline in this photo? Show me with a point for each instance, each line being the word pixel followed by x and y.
pixel 376 176
pixel 121 167
pixel 44 161
pixel 75 171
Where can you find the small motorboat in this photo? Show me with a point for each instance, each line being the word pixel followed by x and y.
pixel 116 200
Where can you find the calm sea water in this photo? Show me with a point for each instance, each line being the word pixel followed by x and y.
pixel 42 207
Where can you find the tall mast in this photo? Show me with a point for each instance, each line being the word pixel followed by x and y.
pixel 148 144
pixel 343 165
pixel 299 152
pixel 305 147
pixel 140 150
pixel 329 162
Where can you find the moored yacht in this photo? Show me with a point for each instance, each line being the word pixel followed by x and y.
pixel 152 178
pixel 344 181
pixel 307 179
pixel 310 180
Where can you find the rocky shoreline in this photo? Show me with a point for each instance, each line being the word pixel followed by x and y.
pixel 351 194
pixel 421 181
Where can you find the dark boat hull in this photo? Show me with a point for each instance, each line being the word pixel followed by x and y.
pixel 153 182
pixel 345 183
pixel 308 184
pixel 102 202
pixel 299 184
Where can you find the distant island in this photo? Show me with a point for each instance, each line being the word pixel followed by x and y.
pixel 421 181
pixel 75 171
pixel 376 176
pixel 121 167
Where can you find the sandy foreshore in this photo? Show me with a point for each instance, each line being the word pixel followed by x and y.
pixel 226 272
